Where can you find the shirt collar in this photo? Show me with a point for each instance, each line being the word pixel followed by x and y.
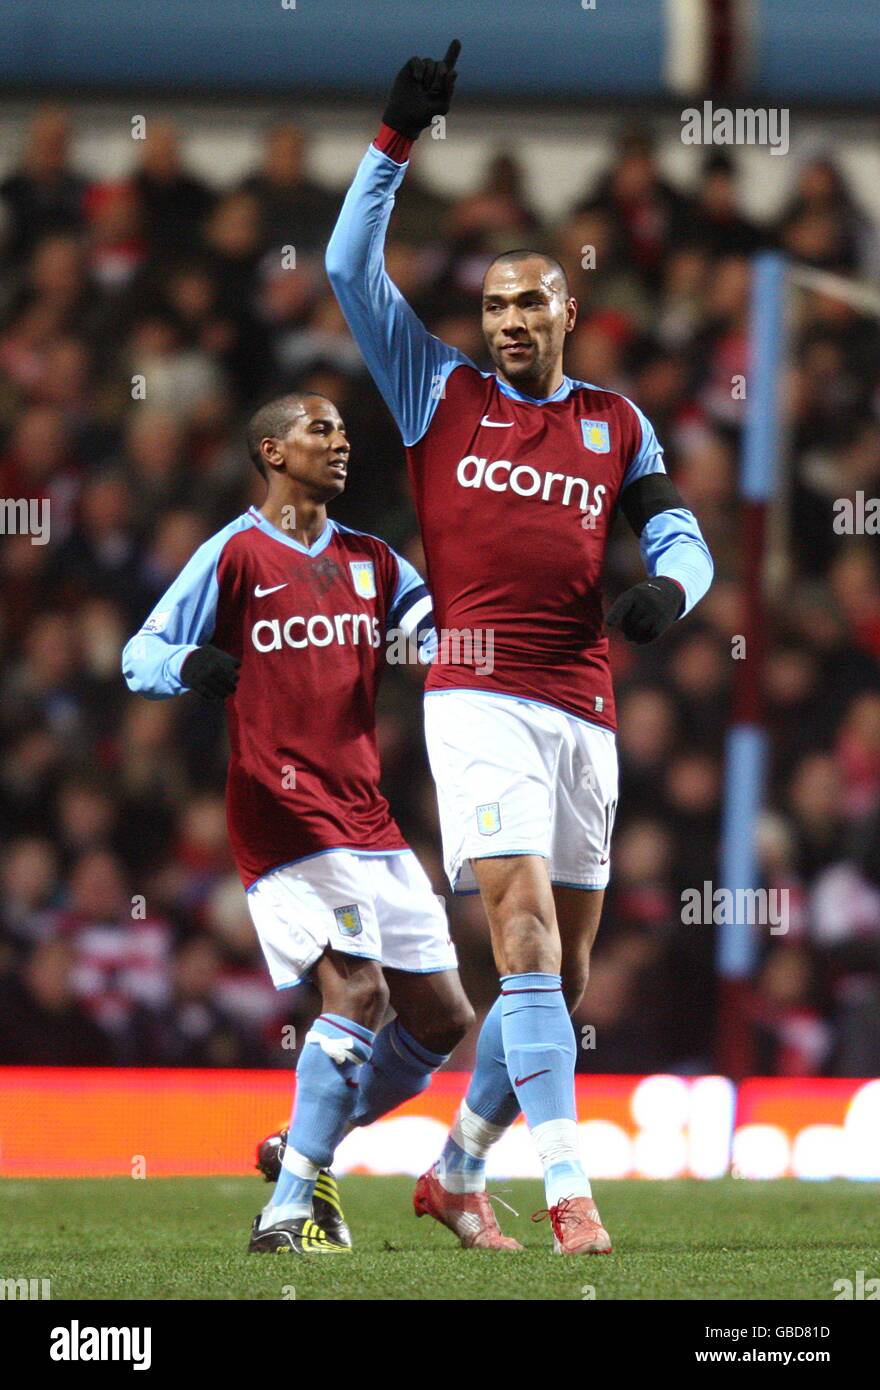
pixel 558 395
pixel 314 549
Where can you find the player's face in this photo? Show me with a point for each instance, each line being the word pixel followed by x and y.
pixel 315 450
pixel 526 316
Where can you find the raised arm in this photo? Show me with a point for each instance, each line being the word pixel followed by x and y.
pixel 408 364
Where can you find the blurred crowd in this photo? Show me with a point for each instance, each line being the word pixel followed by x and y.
pixel 142 319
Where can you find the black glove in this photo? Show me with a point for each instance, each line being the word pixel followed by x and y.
pixel 210 673
pixel 647 609
pixel 422 90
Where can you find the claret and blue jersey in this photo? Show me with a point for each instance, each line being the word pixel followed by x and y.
pixel 515 496
pixel 309 625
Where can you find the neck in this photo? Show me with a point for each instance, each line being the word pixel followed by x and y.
pixel 301 518
pixel 540 387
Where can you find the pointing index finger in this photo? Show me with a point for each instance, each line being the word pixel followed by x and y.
pixel 452 53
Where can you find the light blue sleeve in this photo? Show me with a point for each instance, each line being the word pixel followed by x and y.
pixel 649 458
pixel 182 620
pixel 671 543
pixel 412 608
pixel 408 364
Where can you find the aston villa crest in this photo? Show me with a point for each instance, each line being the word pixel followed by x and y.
pixel 596 436
pixel 363 577
pixel 489 818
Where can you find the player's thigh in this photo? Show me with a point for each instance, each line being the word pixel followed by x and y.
pixel 518 901
pixel 578 913
pixel 351 987
pixel 432 1006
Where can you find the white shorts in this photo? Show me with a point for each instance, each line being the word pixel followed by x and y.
pixel 518 777
pixel 377 906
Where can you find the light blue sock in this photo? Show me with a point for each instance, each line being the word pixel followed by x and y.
pixel 538 1046
pixel 539 1049
pixel 399 1068
pixel 490 1093
pixel 326 1095
pixel 490 1107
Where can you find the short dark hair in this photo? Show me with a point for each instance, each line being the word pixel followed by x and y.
pixel 525 254
pixel 272 421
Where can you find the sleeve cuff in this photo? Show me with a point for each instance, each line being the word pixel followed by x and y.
pixel 392 143
pixel 174 666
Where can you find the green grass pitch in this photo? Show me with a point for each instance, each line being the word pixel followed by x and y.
pixel 185 1238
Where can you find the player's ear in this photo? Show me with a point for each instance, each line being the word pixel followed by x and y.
pixel 571 309
pixel 272 455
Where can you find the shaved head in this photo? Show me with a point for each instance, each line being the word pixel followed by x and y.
pixel 527 311
pixel 273 421
pixel 522 254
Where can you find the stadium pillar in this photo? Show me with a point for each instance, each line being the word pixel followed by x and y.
pixel 747 744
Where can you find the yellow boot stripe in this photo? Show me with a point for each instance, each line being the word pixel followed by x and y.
pixel 330 1202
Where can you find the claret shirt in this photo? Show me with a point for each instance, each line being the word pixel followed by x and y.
pixel 515 496
pixel 309 625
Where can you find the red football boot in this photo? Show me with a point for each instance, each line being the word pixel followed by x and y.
pixel 577 1227
pixel 468 1215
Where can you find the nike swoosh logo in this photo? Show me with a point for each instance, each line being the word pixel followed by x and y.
pixel 261 593
pixel 496 424
pixel 521 1080
pixel 605 860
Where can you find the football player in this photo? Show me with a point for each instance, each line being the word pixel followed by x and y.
pixel 517 474
pixel 283 615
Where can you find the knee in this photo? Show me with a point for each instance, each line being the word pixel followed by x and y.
pixel 443 1031
pixel 574 984
pixel 362 997
pixel 527 941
